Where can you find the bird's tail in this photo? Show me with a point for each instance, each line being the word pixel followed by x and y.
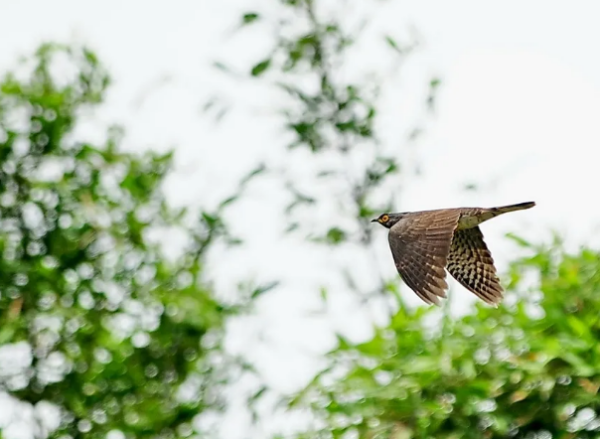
pixel 512 208
pixel 483 214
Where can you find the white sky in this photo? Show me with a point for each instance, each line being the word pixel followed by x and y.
pixel 518 114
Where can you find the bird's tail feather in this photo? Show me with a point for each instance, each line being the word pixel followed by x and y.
pixel 513 207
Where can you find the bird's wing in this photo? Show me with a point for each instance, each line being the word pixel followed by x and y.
pixel 420 243
pixel 470 263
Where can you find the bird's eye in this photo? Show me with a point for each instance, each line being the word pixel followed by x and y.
pixel 384 219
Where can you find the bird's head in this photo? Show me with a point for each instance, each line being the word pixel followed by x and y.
pixel 387 220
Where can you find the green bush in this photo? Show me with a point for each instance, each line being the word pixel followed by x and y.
pixel 530 368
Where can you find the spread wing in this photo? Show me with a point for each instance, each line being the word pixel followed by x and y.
pixel 420 243
pixel 470 263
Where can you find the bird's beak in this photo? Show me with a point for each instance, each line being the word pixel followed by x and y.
pixel 375 220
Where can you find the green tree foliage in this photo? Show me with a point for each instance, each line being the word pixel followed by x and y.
pixel 330 110
pixel 530 369
pixel 96 325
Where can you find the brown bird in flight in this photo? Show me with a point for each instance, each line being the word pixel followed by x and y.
pixel 424 243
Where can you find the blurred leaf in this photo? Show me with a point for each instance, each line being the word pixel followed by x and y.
pixel 211 220
pixel 250 17
pixel 260 68
pixel 221 66
pixel 392 43
pixel 435 83
pixel 323 294
pixel 335 235
pixel 518 240
pixel 227 201
pixel 260 169
pixel 263 289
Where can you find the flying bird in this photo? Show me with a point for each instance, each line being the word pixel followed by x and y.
pixel 426 243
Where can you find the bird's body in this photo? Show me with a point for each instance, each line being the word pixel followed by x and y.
pixel 426 243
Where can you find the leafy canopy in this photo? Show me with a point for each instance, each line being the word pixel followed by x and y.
pixel 98 329
pixel 530 369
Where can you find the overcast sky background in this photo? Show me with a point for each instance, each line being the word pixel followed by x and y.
pixel 518 114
